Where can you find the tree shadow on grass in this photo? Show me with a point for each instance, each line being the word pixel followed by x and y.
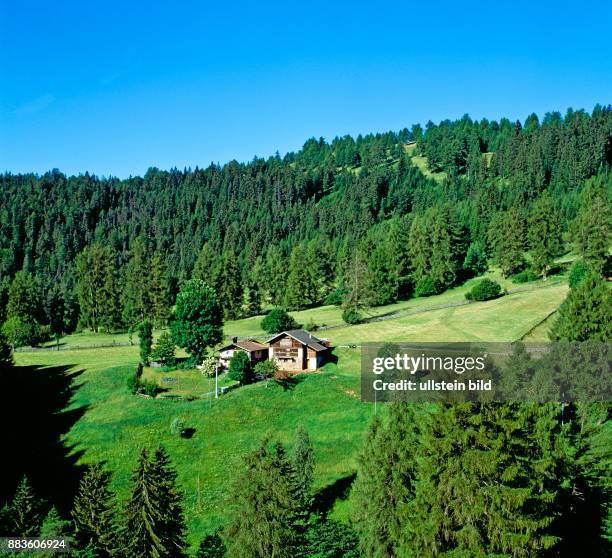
pixel 325 498
pixel 35 415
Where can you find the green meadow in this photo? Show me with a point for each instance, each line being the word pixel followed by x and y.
pixel 116 424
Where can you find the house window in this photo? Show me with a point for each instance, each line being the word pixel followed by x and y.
pixel 286 342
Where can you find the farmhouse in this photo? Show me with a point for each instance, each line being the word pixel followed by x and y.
pixel 255 350
pixel 297 350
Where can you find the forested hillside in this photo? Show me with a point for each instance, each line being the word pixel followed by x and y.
pixel 352 221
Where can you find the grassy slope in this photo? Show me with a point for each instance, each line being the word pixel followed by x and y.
pixel 327 403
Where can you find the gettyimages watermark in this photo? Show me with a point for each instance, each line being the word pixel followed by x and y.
pixel 505 372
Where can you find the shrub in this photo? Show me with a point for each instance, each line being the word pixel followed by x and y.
pixel 428 287
pixel 484 290
pixel 578 272
pixel 278 320
pixel 265 369
pixel 311 325
pixel 177 426
pixel 525 276
pixel 149 388
pixel 240 368
pixel 352 316
pixel 20 332
pixel 133 381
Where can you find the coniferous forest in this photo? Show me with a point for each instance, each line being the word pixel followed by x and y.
pixel 357 223
pixel 353 221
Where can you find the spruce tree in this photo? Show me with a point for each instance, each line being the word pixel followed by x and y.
pixel 97 288
pixel 158 292
pixel 544 234
pixel 136 286
pixel 487 482
pixel 93 513
pixel 154 524
pixel 586 313
pixel 506 237
pixel 303 464
pixel 145 335
pixel 382 282
pixel 385 480
pixel 300 287
pixel 230 292
pixel 25 511
pixel 173 528
pixel 591 230
pixel 53 528
pixel 266 516
pixel 275 275
pixel 212 546
pixel 207 266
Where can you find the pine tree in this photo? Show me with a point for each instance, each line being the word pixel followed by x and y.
pixel 544 234
pixel 25 511
pixel 267 514
pixel 93 513
pixel 586 313
pixel 303 464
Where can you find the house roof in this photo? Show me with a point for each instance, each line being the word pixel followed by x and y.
pixel 303 337
pixel 248 345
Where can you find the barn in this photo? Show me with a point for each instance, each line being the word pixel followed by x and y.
pixel 296 350
pixel 255 350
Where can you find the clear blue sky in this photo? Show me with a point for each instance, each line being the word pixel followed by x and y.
pixel 116 87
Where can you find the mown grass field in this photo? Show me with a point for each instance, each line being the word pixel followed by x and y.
pixel 116 424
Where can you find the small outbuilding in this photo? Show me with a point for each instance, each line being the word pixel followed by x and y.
pixel 296 350
pixel 255 350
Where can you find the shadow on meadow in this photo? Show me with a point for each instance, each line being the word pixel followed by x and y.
pixel 36 414
pixel 325 498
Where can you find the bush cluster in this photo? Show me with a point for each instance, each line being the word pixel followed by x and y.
pixel 428 287
pixel 484 290
pixel 525 276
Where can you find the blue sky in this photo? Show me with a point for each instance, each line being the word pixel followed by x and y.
pixel 116 87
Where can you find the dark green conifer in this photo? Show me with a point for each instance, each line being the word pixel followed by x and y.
pixel 93 513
